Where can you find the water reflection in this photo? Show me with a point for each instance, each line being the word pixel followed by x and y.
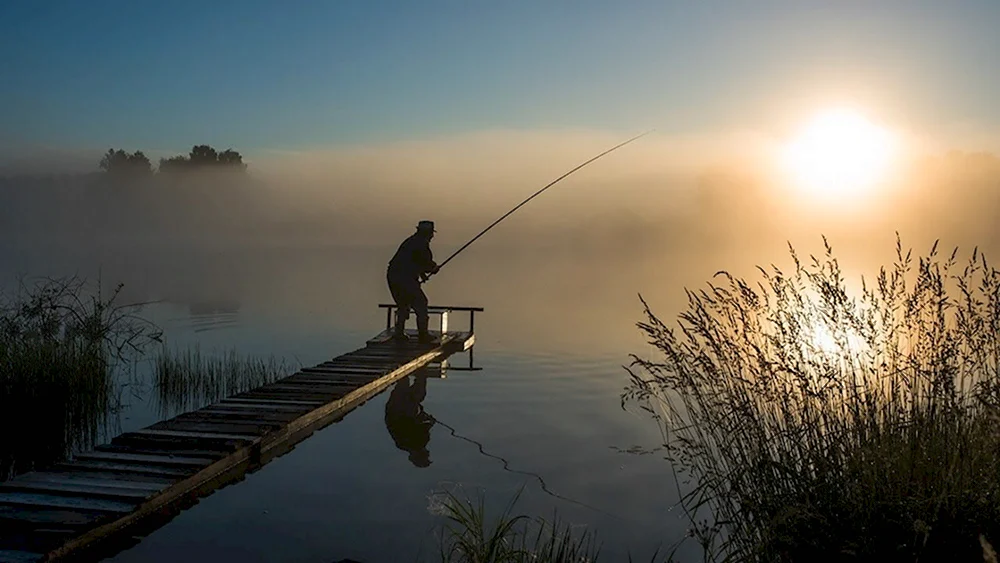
pixel 406 421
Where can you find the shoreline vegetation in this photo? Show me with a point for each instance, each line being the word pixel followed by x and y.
pixel 69 354
pixel 66 354
pixel 808 424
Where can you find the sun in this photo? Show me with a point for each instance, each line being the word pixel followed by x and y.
pixel 840 152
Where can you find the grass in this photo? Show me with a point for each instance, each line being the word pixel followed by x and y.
pixel 468 536
pixel 187 380
pixel 806 424
pixel 63 349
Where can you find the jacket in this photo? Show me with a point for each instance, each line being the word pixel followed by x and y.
pixel 412 258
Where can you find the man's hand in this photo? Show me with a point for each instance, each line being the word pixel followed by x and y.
pixel 434 270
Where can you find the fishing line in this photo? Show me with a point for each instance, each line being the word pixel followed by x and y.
pixel 506 466
pixel 552 183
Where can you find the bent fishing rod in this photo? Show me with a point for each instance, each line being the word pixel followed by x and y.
pixel 536 194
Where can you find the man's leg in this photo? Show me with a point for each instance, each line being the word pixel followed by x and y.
pixel 399 295
pixel 420 308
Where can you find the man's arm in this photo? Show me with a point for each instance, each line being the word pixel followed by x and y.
pixel 428 265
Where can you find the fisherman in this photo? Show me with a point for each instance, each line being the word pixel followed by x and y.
pixel 412 264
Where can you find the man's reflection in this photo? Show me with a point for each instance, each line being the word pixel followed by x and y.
pixel 408 424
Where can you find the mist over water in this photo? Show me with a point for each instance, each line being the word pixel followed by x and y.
pixel 294 256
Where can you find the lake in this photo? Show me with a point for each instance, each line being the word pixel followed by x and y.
pixel 551 344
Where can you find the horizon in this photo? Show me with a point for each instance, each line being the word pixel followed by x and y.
pixel 278 82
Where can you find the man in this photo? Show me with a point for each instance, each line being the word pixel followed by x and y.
pixel 412 264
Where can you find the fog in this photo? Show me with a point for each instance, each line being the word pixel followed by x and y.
pixel 310 232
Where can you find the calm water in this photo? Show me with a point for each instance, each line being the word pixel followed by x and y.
pixel 551 344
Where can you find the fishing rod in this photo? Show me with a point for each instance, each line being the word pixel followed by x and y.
pixel 552 183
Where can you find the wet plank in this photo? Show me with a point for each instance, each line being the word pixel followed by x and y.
pixel 156 460
pixel 236 437
pixel 92 491
pixel 352 366
pixel 19 515
pixel 240 416
pixel 342 378
pixel 56 501
pixel 124 468
pixel 259 406
pixel 161 445
pixel 159 451
pixel 216 427
pixel 243 399
pixel 119 481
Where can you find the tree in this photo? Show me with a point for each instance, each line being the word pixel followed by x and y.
pixel 231 158
pixel 120 163
pixel 204 157
pixel 173 164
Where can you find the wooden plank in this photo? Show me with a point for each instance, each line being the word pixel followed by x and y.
pixel 11 516
pixel 324 397
pixel 165 460
pixel 239 399
pixel 239 438
pixel 283 395
pixel 332 373
pixel 348 365
pixel 218 411
pixel 173 445
pixel 12 556
pixel 349 370
pixel 353 384
pixel 56 501
pixel 138 449
pixel 218 427
pixel 182 489
pixel 359 363
pixel 238 416
pixel 135 482
pixel 377 354
pixel 326 387
pixel 123 468
pixel 326 376
pixel 325 394
pixel 260 406
pixel 110 493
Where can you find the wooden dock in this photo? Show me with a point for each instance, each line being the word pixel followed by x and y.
pixel 99 502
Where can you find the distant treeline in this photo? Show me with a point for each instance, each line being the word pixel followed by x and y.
pixel 201 157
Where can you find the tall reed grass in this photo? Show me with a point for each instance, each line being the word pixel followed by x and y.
pixel 187 379
pixel 814 425
pixel 470 537
pixel 63 349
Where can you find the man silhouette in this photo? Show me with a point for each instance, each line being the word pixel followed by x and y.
pixel 406 421
pixel 412 264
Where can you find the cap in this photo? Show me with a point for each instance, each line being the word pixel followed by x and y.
pixel 428 225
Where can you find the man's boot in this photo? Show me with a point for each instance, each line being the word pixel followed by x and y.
pixel 398 334
pixel 423 336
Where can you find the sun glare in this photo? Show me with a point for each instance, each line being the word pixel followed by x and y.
pixel 839 153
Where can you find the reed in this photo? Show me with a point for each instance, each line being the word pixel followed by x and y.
pixel 65 350
pixel 186 379
pixel 804 423
pixel 469 537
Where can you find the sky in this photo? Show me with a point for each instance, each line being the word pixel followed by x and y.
pixel 267 76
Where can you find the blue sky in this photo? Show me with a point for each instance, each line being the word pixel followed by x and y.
pixel 291 75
